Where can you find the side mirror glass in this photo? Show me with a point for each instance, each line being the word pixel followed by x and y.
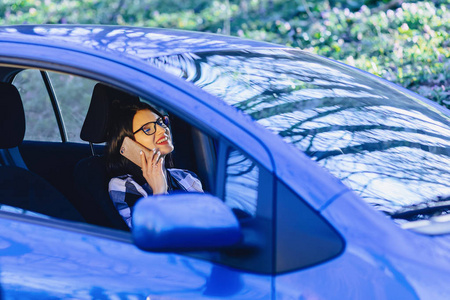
pixel 185 221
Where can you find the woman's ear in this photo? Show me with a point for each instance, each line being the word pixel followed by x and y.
pixel 166 120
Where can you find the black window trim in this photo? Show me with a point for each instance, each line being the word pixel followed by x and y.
pixel 55 105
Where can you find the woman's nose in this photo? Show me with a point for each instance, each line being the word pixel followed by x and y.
pixel 160 128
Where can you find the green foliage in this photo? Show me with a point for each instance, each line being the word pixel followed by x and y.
pixel 407 42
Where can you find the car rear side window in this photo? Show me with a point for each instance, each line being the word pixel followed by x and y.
pixel 41 124
pixel 74 95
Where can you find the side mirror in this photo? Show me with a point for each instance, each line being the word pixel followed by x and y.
pixel 185 221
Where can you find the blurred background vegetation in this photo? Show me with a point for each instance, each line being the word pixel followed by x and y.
pixel 407 42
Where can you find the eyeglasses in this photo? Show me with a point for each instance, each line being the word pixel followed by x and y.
pixel 148 129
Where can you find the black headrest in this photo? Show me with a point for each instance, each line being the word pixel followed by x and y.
pixel 95 125
pixel 12 117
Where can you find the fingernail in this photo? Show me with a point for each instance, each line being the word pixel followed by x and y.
pixel 140 152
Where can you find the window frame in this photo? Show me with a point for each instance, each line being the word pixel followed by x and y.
pixel 55 105
pixel 261 225
pixel 51 95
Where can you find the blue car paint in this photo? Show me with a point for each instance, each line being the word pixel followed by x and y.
pixel 38 260
pixel 408 257
pixel 184 221
pixel 380 260
pixel 134 42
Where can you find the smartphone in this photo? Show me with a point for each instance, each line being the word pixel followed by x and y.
pixel 132 149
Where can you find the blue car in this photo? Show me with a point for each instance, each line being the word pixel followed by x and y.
pixel 321 181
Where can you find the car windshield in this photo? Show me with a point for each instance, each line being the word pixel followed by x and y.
pixel 388 146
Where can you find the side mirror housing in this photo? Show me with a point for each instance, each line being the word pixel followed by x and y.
pixel 185 221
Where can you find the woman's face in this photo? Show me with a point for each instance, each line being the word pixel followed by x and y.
pixel 160 139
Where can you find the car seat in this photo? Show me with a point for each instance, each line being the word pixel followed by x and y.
pixel 91 180
pixel 20 187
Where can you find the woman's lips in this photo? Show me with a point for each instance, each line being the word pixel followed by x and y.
pixel 162 141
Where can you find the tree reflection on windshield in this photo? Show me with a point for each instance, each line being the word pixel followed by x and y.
pixel 391 148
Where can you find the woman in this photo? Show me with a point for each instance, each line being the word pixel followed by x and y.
pixel 129 182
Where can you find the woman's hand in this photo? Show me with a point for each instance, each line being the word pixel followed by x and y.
pixel 152 170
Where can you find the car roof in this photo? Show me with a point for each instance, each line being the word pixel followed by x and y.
pixel 133 42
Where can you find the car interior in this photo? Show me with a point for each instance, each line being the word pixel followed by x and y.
pixel 66 179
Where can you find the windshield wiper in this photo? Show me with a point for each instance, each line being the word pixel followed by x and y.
pixel 430 208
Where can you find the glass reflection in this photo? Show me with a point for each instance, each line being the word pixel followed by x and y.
pixel 142 43
pixel 391 148
pixel 241 186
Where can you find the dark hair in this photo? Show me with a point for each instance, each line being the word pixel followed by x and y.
pixel 120 127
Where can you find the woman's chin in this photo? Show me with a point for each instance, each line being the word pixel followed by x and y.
pixel 165 149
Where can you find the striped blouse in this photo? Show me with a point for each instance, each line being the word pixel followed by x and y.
pixel 125 191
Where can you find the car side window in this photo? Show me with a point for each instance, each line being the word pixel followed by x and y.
pixel 41 124
pixel 303 237
pixel 73 94
pixel 281 236
pixel 241 183
pixel 247 188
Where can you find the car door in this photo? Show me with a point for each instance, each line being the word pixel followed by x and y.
pixel 46 257
pixel 43 258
